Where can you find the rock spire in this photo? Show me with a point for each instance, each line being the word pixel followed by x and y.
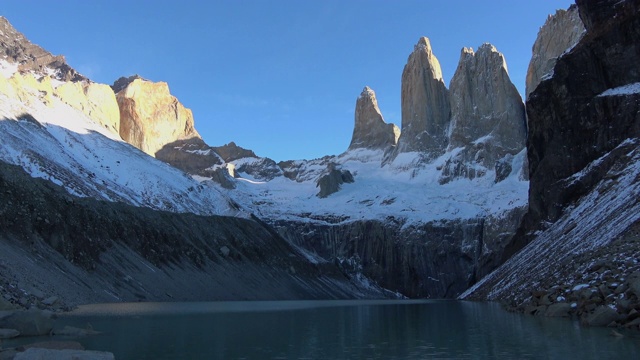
pixel 370 130
pixel 425 103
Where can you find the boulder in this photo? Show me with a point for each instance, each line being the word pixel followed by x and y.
pixel 28 323
pixel 558 310
pixel 370 130
pixel 425 103
pixel 8 333
pixel 150 117
pixel 602 316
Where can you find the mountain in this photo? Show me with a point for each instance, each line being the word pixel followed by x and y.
pixel 370 130
pixel 579 241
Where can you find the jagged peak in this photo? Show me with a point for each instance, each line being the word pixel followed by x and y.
pixel 368 92
pixel 124 81
pixel 424 44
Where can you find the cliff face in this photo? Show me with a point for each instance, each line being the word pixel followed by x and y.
pixel 150 117
pixel 487 114
pixel 425 103
pixel 574 117
pixel 370 130
pixel 581 232
pixel 97 101
pixel 560 32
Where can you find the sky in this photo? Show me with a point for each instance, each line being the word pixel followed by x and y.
pixel 280 77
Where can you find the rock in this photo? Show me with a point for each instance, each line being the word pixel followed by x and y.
pixel 224 250
pixel 602 316
pixel 572 122
pixel 558 310
pixel 332 181
pixel 558 34
pixel 192 156
pixel 28 323
pixel 48 354
pixel 150 117
pixel 370 130
pixel 50 300
pixel 15 48
pixel 634 283
pixel 221 176
pixel 74 331
pixel 425 103
pixel 487 113
pixel 97 101
pixel 231 152
pixel 6 305
pixel 8 333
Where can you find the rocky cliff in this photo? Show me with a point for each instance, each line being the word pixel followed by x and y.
pixel 17 49
pixel 487 114
pixel 370 130
pixel 150 117
pixel 560 32
pixel 425 103
pixel 583 150
pixel 97 101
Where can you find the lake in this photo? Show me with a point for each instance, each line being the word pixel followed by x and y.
pixel 406 329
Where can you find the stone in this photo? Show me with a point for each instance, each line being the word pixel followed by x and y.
pixel 48 354
pixel 487 114
pixel 634 283
pixel 571 123
pixel 602 316
pixel 332 181
pixel 28 323
pixel 97 101
pixel 370 130
pixel 425 103
pixel 50 300
pixel 150 117
pixel 558 310
pixel 559 33
pixel 224 250
pixel 8 333
pixel 17 49
pixel 6 305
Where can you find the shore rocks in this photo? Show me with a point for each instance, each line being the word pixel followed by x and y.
pixel 27 323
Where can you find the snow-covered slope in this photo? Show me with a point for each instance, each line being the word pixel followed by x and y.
pixel 407 190
pixel 51 140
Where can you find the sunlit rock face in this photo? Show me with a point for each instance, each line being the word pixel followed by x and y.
pixel 370 130
pixel 559 33
pixel 487 114
pixel 95 100
pixel 150 117
pixel 425 103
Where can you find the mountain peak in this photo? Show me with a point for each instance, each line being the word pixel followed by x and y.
pixel 370 130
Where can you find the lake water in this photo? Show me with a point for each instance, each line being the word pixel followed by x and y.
pixel 339 330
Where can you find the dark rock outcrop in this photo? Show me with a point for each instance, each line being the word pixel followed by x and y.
pixel 425 103
pixel 231 152
pixel 331 182
pixel 16 48
pixel 192 156
pixel 370 130
pixel 571 120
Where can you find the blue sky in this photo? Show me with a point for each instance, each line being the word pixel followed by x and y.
pixel 278 77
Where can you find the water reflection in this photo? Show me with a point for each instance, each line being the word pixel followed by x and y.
pixel 339 330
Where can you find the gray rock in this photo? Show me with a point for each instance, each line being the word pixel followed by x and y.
pixel 332 181
pixel 6 305
pixel 370 130
pixel 487 113
pixel 28 323
pixel 559 33
pixel 425 103
pixel 48 354
pixel 8 333
pixel 634 283
pixel 225 250
pixel 602 316
pixel 558 310
pixel 50 300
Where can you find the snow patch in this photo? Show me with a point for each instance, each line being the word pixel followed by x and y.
pixel 628 89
